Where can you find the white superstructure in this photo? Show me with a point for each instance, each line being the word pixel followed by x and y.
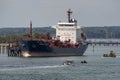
pixel 69 31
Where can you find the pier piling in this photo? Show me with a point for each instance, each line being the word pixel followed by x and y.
pixel 7 50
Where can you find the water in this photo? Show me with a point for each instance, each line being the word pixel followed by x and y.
pixel 51 68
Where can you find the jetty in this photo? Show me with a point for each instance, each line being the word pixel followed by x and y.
pixel 8 50
pixel 103 41
pixel 4 48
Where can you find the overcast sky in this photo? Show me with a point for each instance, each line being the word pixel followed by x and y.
pixel 18 13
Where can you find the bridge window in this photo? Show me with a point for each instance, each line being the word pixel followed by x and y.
pixel 66 25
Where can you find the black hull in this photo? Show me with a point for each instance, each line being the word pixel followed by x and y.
pixel 57 52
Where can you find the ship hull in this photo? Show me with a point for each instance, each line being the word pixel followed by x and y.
pixel 57 52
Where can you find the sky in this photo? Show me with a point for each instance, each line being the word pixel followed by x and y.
pixel 19 13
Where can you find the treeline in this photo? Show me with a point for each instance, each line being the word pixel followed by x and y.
pixel 21 31
pixel 103 32
pixel 14 34
pixel 16 38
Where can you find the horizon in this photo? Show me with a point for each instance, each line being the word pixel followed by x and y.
pixel 51 26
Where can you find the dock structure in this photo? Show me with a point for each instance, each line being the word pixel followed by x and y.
pixel 8 50
pixel 103 41
pixel 4 48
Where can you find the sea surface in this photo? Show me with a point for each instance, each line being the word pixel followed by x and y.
pixel 52 68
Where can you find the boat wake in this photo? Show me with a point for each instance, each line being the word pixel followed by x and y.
pixel 34 67
pixel 117 56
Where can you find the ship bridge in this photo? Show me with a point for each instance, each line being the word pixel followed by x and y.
pixel 68 31
pixel 67 25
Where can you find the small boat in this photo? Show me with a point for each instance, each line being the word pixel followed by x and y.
pixel 84 62
pixel 68 62
pixel 110 54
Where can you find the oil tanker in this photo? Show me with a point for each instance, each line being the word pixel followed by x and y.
pixel 69 41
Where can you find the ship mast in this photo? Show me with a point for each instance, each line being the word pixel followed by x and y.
pixel 69 12
pixel 30 30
